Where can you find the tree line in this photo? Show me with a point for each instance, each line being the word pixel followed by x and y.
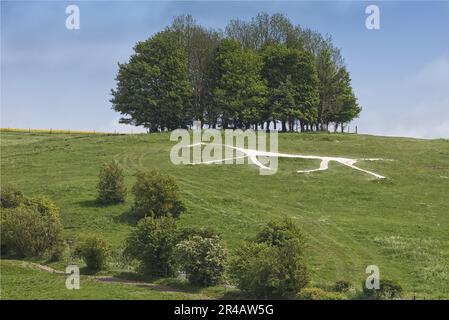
pixel 260 74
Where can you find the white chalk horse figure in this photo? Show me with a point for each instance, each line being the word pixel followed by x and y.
pixel 324 165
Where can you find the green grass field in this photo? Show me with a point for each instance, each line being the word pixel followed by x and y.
pixel 351 219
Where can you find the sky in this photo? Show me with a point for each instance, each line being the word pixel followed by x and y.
pixel 53 77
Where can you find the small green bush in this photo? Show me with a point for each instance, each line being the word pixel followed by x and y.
pixel 152 243
pixel 319 294
pixel 276 233
pixel 156 195
pixel 44 205
pixel 272 266
pixel 186 233
pixel 10 197
pixel 94 251
pixel 32 228
pixel 388 289
pixel 342 286
pixel 203 259
pixel 56 253
pixel 265 271
pixel 111 186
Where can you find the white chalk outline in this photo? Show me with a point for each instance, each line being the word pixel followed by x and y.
pixel 324 165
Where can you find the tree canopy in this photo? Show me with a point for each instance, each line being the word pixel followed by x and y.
pixel 256 74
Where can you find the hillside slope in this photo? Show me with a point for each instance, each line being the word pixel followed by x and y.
pixel 352 220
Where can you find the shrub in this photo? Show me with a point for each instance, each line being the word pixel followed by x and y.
pixel 319 294
pixel 152 243
pixel 156 195
pixel 44 205
pixel 94 251
pixel 111 185
pixel 32 228
pixel 272 266
pixel 388 289
pixel 203 259
pixel 342 286
pixel 276 233
pixel 186 233
pixel 265 271
pixel 57 251
pixel 10 197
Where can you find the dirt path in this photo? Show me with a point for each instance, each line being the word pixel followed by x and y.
pixel 108 279
pixel 158 287
pixel 42 267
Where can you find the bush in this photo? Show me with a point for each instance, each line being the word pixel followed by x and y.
pixel 265 271
pixel 32 228
pixel 152 243
pixel 187 233
pixel 94 251
pixel 388 289
pixel 203 259
pixel 342 286
pixel 56 253
pixel 277 233
pixel 10 197
pixel 272 266
pixel 156 195
pixel 111 185
pixel 319 294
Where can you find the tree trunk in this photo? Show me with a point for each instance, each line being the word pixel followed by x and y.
pixel 284 127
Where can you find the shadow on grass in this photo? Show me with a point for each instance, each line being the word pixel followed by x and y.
pixel 128 217
pixel 93 204
pixel 135 277
pixel 89 272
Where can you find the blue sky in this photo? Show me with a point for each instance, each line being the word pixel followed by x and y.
pixel 53 77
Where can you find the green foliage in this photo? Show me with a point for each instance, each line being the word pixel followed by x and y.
pixel 319 294
pixel 152 88
pixel 292 83
pixel 273 265
pixel 388 289
pixel 152 243
pixel 263 30
pixel 279 232
pixel 94 251
pixel 240 91
pixel 203 259
pixel 32 228
pixel 265 271
pixel 258 71
pixel 10 197
pixel 57 251
pixel 345 105
pixel 44 205
pixel 156 195
pixel 342 286
pixel 111 186
pixel 199 44
pixel 186 233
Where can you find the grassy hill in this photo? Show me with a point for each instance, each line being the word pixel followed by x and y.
pixel 352 220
